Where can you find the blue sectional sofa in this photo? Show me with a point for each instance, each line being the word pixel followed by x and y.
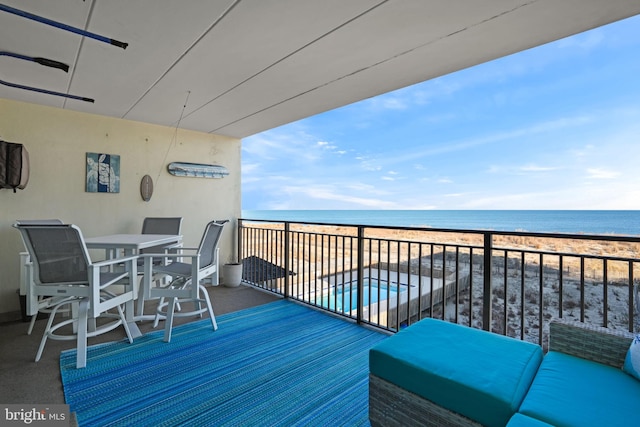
pixel 436 373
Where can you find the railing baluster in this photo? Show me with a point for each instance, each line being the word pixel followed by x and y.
pixel 444 282
pixel 505 290
pixel 457 285
pixel 322 269
pixel 420 282
pixel 287 261
pixel 523 272
pixel 335 272
pixel 398 304
pixel 379 304
pixel 369 268
pixel 431 280
pixel 632 294
pixel 360 266
pixel 314 277
pixel 486 306
pixel 560 286
pixel 582 298
pixel 470 287
pixel 605 293
pixel 541 301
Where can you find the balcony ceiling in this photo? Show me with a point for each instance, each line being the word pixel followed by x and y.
pixel 245 66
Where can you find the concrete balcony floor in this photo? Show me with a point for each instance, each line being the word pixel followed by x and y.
pixel 25 381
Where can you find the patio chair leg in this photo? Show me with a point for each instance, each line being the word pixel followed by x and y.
pixel 161 303
pixel 74 315
pixel 125 324
pixel 157 318
pixel 32 324
pixel 169 319
pixel 209 307
pixel 45 335
pixel 142 293
pixel 81 347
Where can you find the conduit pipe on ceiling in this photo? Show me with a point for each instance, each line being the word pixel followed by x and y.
pixel 62 26
pixel 42 61
pixel 45 91
pixel 47 63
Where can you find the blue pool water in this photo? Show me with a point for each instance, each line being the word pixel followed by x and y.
pixel 344 297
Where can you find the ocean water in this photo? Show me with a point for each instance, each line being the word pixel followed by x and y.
pixel 565 221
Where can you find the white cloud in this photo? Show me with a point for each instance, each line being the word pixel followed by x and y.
pixel 326 145
pixel 445 147
pixel 394 104
pixel 397 100
pixel 600 173
pixel 361 187
pixel 588 40
pixel 250 168
pixel 520 169
pixel 536 168
pixel 368 164
pixel 329 193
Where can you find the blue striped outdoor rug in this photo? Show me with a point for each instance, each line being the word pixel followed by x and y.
pixel 275 364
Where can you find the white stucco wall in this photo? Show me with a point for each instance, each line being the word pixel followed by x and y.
pixel 58 140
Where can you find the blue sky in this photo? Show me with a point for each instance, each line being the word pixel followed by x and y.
pixel 554 127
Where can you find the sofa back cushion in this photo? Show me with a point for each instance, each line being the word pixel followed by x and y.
pixel 569 390
pixel 632 361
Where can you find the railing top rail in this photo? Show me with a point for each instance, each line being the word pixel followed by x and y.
pixel 602 237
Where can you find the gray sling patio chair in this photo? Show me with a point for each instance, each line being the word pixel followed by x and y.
pixel 160 225
pixel 34 304
pixel 185 283
pixel 62 267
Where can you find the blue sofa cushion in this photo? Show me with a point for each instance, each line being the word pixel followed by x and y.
pixel 570 391
pixel 632 361
pixel 520 420
pixel 478 374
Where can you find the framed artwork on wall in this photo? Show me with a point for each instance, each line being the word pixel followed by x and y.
pixel 103 173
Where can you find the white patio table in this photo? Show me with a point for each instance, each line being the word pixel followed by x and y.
pixel 132 244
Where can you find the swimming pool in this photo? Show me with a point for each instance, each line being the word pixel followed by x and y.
pixel 344 297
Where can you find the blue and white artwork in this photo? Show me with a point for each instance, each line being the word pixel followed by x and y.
pixel 103 173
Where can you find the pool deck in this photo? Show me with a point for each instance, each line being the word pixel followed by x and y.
pixel 416 295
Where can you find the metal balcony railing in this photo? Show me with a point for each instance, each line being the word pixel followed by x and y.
pixel 511 283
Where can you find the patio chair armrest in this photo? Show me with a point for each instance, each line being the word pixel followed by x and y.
pixel 595 343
